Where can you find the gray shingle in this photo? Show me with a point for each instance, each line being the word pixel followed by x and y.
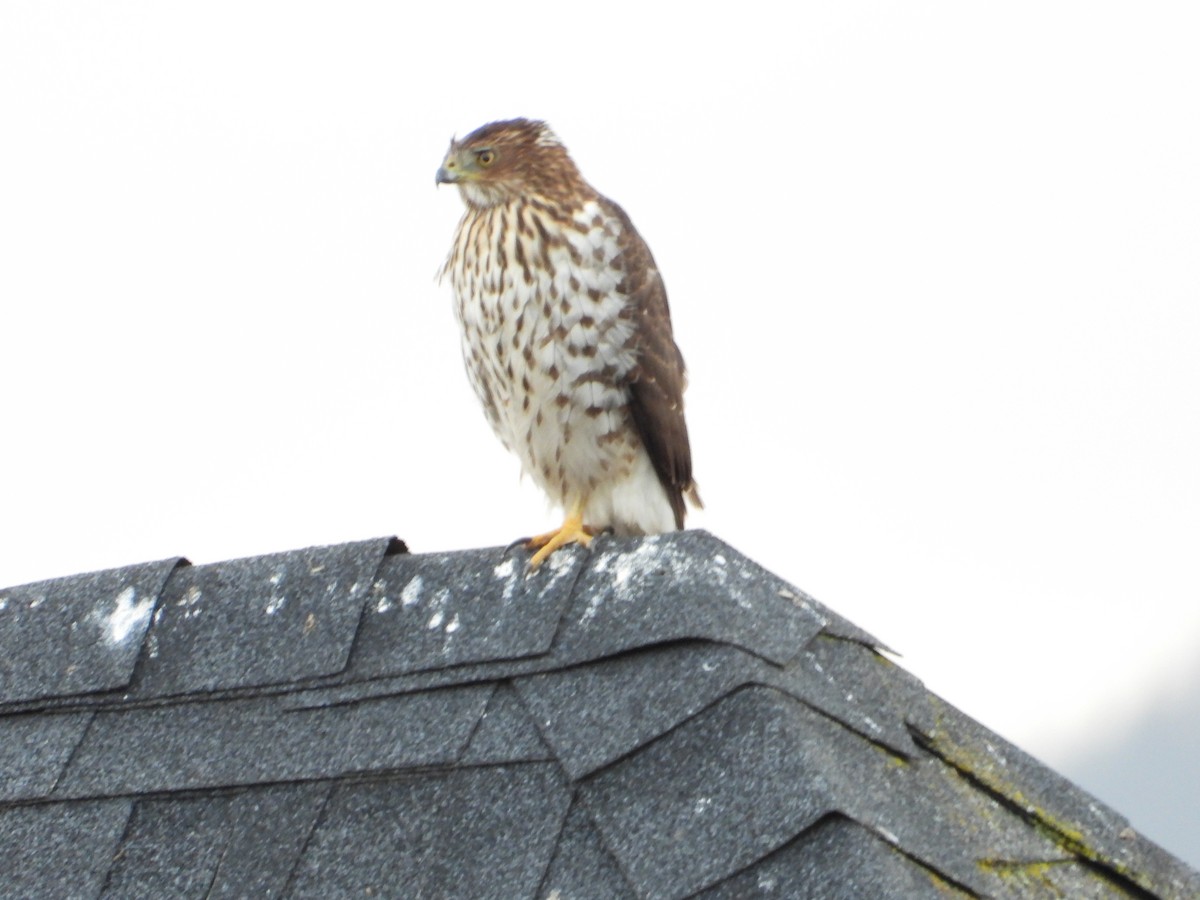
pixel 712 797
pixel 171 848
pixel 34 748
pixel 506 734
pixel 748 774
pixel 593 714
pixel 258 621
pixel 59 849
pixel 1082 823
pixel 636 592
pixel 838 627
pixel 1063 879
pixel 835 859
pixel 270 828
pixel 76 635
pixel 582 869
pixel 243 845
pixel 257 740
pixel 935 816
pixel 855 685
pixel 485 833
pixel 448 609
pixel 296 726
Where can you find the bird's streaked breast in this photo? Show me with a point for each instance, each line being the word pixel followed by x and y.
pixel 545 336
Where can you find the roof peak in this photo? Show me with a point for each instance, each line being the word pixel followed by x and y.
pixel 283 715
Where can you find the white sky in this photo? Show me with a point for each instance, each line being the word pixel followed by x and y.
pixel 935 267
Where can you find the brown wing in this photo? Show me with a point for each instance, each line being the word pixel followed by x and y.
pixel 657 382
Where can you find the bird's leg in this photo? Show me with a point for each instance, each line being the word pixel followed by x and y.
pixel 573 531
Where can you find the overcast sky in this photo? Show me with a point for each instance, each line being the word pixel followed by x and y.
pixel 935 268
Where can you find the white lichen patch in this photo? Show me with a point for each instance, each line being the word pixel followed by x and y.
pixel 275 579
pixel 37 601
pixel 559 563
pixel 799 599
pixel 382 601
pixel 275 604
pixel 702 805
pixel 737 581
pixel 453 625
pixel 188 602
pixel 411 594
pixel 647 556
pixel 438 606
pixel 507 571
pixel 594 603
pixel 3 603
pixel 127 615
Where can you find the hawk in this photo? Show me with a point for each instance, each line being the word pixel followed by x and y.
pixel 566 335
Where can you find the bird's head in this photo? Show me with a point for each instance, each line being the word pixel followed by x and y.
pixel 502 161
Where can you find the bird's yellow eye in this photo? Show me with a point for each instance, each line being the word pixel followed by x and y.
pixel 486 157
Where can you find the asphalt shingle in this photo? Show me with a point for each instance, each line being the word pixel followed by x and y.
pixel 34 748
pixel 258 621
pixel 485 833
pixel 240 845
pixel 715 795
pixel 452 609
pixel 59 849
pixel 835 859
pixel 857 686
pixel 172 849
pixel 1089 828
pixel 638 592
pixel 506 733
pixel 582 869
pixel 650 718
pixel 257 740
pixel 76 635
pixel 596 713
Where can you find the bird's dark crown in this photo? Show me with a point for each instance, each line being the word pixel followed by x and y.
pixel 502 161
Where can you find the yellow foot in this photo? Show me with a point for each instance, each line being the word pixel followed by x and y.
pixel 573 531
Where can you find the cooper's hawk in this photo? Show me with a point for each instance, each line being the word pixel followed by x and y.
pixel 567 336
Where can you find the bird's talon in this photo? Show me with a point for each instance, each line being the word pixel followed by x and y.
pixel 573 531
pixel 519 542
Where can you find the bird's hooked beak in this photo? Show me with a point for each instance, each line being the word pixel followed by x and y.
pixel 451 170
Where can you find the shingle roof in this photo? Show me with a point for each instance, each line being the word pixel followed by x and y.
pixel 652 718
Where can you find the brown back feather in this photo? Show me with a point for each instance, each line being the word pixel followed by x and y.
pixel 657 382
